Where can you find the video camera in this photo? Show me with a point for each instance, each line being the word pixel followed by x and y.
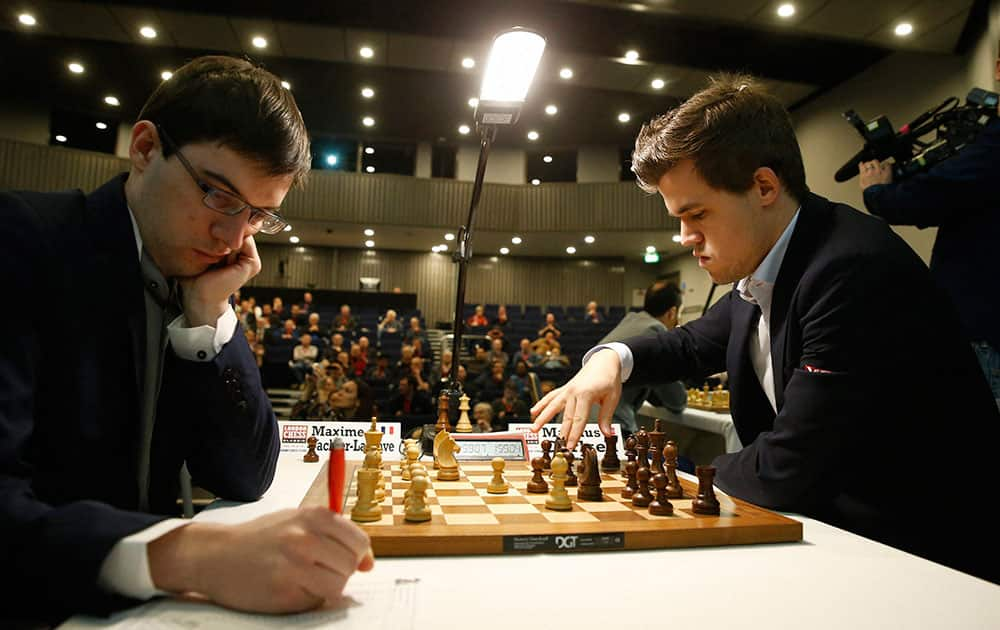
pixel 953 125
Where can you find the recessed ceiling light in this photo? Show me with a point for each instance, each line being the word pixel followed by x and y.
pixel 259 42
pixel 331 160
pixel 369 243
pixel 166 74
pixel 27 19
pixel 102 126
pixel 632 55
pixel 463 129
pixel 786 10
pixel 551 110
pixel 370 150
pixel 369 232
pixel 449 236
pixel 650 249
pixel 903 29
pixel 657 84
pixel 547 159
pixel 516 240
pixel 504 250
pixel 468 62
pixel 494 259
pixel 293 239
pixel 589 239
pixel 148 32
pixel 676 238
pixel 532 135
pixel 566 73
pixel 286 85
pixel 443 247
pixel 367 92
pixel 624 117
pixel 112 101
pixel 75 67
pixel 536 182
pixel 60 138
pixel 435 249
pixel 369 169
pixel 366 52
pixel 288 228
pixel 473 102
pixel 368 121
pixel 570 250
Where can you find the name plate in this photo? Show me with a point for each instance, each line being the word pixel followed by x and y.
pixel 477 447
pixel 294 435
pixel 591 435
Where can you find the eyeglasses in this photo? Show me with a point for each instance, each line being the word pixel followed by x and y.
pixel 224 202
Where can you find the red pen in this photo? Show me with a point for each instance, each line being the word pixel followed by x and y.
pixel 335 480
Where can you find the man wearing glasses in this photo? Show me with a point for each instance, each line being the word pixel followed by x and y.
pixel 91 450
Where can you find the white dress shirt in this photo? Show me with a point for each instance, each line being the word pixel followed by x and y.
pixel 125 570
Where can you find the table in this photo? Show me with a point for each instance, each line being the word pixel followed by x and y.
pixel 833 579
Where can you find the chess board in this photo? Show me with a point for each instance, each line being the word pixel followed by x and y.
pixel 466 519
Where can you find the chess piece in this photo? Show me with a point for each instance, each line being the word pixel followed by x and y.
pixel 367 509
pixel 631 468
pixel 642 448
pixel 416 509
pixel 705 502
pixel 537 484
pixel 660 505
pixel 656 437
pixel 558 499
pixel 442 423
pixel 590 476
pixel 546 447
pixel 464 425
pixel 446 448
pixel 642 498
pixel 373 461
pixel 674 489
pixel 610 461
pixel 498 485
pixel 412 459
pixel 630 454
pixel 311 455
pixel 571 480
pixel 373 437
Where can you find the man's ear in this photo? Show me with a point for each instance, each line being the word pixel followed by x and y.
pixel 766 185
pixel 143 145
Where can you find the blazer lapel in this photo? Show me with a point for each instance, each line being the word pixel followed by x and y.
pixel 751 410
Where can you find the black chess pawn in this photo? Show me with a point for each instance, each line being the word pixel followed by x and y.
pixel 610 461
pixel 631 468
pixel 642 498
pixel 537 484
pixel 546 447
pixel 705 502
pixel 660 505
pixel 630 453
pixel 311 455
pixel 674 489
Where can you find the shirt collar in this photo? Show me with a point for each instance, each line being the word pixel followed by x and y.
pixel 135 230
pixel 763 278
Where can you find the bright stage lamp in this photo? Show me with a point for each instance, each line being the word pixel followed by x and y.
pixel 510 70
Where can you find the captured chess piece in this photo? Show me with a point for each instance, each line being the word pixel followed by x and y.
pixel 558 499
pixel 610 461
pixel 546 448
pixel 660 505
pixel 464 425
pixel 537 485
pixel 498 485
pixel 311 455
pixel 705 502
pixel 446 447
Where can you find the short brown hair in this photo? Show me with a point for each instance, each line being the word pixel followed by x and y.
pixel 240 105
pixel 729 129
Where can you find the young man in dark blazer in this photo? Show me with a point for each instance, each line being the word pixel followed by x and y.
pixel 96 424
pixel 847 370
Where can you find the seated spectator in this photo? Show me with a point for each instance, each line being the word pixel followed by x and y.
pixel 490 384
pixel 443 369
pixel 462 380
pixel 556 360
pixel 409 401
pixel 520 379
pixel 359 362
pixel 379 375
pixel 509 407
pixel 543 347
pixel 501 319
pixel 496 333
pixel 335 348
pixel 366 347
pixel 345 322
pixel 316 406
pixel 307 302
pixel 246 316
pixel 344 359
pixel 303 357
pixel 478 364
pixel 417 373
pixel 550 325
pixel 593 315
pixel 334 371
pixel 526 354
pixel 313 327
pixel 255 346
pixel 389 324
pixel 278 308
pixel 414 332
pixel 482 414
pixel 496 353
pixel 297 316
pixel 405 357
pixel 419 350
pixel 478 319
pixel 352 400
pixel 289 333
pixel 268 318
pixel 546 386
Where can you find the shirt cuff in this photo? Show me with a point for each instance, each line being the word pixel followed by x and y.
pixel 624 354
pixel 201 343
pixel 126 569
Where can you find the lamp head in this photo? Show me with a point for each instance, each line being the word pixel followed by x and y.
pixel 510 69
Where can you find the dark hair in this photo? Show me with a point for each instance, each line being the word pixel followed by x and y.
pixel 237 104
pixel 366 399
pixel 661 297
pixel 729 129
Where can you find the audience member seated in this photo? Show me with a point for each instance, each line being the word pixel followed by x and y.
pixel 315 404
pixel 288 333
pixel 255 346
pixel 478 319
pixel 303 357
pixel 403 365
pixel 443 367
pixel 555 360
pixel 379 375
pixel 510 408
pixel 543 347
pixel 482 414
pixel 267 318
pixel 417 373
pixel 462 380
pixel 547 386
pixel 389 324
pixel 366 347
pixel 527 354
pixel 246 316
pixel 414 332
pixel 496 353
pixel 344 359
pixel 352 400
pixel 419 348
pixel 520 379
pixel 298 316
pixel 550 325
pixel 496 333
pixel 593 315
pixel 479 363
pixel 490 384
pixel 345 322
pixel 278 309
pixel 335 348
pixel 501 319
pixel 314 329
pixel 408 401
pixel 359 362
pixel 307 303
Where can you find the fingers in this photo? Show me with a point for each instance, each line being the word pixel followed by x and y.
pixel 249 257
pixel 548 407
pixel 607 412
pixel 577 419
pixel 352 543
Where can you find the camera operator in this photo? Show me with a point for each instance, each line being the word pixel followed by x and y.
pixel 961 196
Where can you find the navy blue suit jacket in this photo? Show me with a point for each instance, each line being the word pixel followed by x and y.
pixel 70 403
pixel 862 446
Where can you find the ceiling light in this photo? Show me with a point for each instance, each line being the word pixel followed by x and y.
pixel 516 240
pixel 288 228
pixel 286 85
pixel 589 239
pixel 369 232
pixel 532 135
pixel 494 259
pixel 370 150
pixel 566 73
pixel 75 68
pixel 369 169
pixel 366 52
pixel 259 42
pixel 368 121
pixel 331 160
pixel 570 250
pixel 473 101
pixel 101 126
pixel 443 247
pixel 551 110
pixel 293 239
pixel 536 182
pixel 27 19
pixel 148 32
pixel 449 236
pixel 786 10
pixel 676 238
pixel 166 74
pixel 468 62
pixel 903 29
pixel 112 100
pixel 60 138
pixel 435 249
pixel 504 250
pixel 367 92
pixel 650 249
pixel 624 117
pixel 369 243
pixel 651 258
pixel 657 84
pixel 547 159
pixel 463 129
pixel 632 55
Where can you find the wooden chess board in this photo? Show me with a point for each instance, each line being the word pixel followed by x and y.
pixel 468 520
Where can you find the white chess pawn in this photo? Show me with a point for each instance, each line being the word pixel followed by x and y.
pixel 498 485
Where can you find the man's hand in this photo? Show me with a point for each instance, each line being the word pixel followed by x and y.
pixel 206 296
pixel 599 381
pixel 288 561
pixel 874 172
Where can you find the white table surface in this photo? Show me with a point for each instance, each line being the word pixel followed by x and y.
pixel 711 421
pixel 832 579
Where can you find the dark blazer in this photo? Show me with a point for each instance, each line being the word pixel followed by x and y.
pixel 70 403
pixel 866 446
